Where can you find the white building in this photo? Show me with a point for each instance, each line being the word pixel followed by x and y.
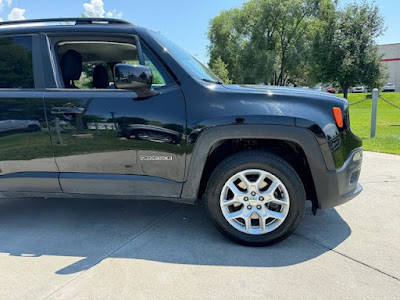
pixel 391 58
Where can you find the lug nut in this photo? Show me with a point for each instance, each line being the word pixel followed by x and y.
pixel 261 198
pixel 253 193
pixel 246 198
pixel 258 206
pixel 249 207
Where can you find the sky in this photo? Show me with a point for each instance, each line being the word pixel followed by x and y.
pixel 184 22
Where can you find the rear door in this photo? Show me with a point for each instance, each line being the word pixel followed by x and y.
pixel 107 141
pixel 26 157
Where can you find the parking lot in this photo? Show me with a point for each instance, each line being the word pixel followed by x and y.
pixel 88 249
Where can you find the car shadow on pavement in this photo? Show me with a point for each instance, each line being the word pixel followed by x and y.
pixel 149 230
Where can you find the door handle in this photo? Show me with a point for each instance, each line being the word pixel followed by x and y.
pixel 67 110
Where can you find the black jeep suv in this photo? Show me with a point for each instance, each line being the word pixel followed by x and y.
pixel 122 112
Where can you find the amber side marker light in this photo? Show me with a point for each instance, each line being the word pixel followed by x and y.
pixel 337 113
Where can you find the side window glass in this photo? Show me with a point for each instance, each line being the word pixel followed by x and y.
pixel 89 64
pixel 158 79
pixel 160 75
pixel 16 69
pixel 88 69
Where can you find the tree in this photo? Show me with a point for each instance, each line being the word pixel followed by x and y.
pixel 15 64
pixel 345 50
pixel 266 41
pixel 221 70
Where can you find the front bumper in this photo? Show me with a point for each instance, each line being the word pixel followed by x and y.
pixel 343 182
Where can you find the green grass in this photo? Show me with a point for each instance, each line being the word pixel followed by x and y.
pixel 387 138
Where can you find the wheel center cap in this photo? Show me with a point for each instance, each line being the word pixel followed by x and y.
pixel 253 200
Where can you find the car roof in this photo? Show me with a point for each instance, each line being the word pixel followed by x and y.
pixel 65 25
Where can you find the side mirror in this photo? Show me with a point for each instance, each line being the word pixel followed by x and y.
pixel 136 78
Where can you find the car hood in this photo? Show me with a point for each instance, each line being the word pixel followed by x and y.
pixel 250 88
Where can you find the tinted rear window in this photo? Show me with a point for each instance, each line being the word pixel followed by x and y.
pixel 16 69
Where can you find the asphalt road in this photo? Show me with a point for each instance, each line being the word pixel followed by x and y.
pixel 80 249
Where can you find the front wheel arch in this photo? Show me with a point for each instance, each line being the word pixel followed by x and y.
pixel 210 139
pixel 290 152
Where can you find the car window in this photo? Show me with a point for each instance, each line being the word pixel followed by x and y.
pixel 189 63
pixel 89 65
pixel 160 75
pixel 16 68
pixel 158 79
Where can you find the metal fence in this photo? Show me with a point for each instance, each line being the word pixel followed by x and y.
pixel 374 97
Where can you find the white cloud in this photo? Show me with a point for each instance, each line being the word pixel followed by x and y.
pixel 114 14
pixel 95 9
pixel 1 20
pixel 5 3
pixel 17 14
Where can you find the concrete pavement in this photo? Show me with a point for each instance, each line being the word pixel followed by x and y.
pixel 88 249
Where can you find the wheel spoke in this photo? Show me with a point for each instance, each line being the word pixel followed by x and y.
pixel 244 180
pixel 232 202
pixel 247 224
pixel 272 187
pixel 234 215
pixel 247 220
pixel 262 219
pixel 278 201
pixel 235 189
pixel 276 215
pixel 260 180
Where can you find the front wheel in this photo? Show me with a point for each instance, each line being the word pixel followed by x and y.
pixel 255 198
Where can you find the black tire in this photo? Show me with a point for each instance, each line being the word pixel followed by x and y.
pixel 256 160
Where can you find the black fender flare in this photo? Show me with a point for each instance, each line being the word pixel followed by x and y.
pixel 318 156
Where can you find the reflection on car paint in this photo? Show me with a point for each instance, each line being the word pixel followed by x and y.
pixel 15 126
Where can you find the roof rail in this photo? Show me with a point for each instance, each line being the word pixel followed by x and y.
pixel 78 21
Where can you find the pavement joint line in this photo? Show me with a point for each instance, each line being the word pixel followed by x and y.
pixel 385 181
pixel 115 250
pixel 348 257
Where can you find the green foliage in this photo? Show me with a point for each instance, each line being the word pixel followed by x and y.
pixel 299 42
pixel 345 50
pixel 86 79
pixel 266 41
pixel 16 69
pixel 157 78
pixel 221 70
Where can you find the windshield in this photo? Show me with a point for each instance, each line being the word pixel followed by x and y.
pixel 187 61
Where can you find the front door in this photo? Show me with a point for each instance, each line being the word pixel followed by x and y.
pixel 107 141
